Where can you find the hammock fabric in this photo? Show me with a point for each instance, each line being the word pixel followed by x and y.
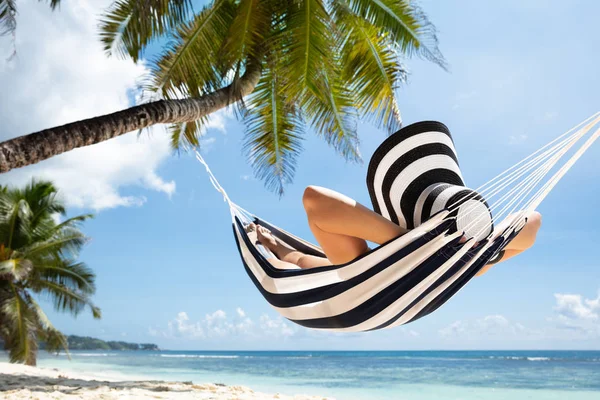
pixel 414 180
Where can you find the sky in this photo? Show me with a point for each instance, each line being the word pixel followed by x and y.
pixel 521 73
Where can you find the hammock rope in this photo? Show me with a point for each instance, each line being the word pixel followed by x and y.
pixel 413 179
pixel 519 193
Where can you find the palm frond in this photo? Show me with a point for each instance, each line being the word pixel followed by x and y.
pixel 371 69
pixel 405 21
pixel 16 230
pixel 188 66
pixel 75 275
pixel 186 134
pixel 273 135
pixel 246 33
pixel 21 325
pixel 8 16
pixel 332 113
pixel 73 222
pixel 66 299
pixel 42 198
pixel 308 47
pixel 47 333
pixel 129 25
pixel 64 243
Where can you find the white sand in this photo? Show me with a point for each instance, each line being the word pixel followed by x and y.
pixel 22 382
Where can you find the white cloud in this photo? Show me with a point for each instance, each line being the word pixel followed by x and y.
pixel 219 325
pixel 182 327
pixel 60 75
pixel 576 315
pixel 573 306
pixel 219 120
pixel 276 327
pixel 575 319
pixel 207 144
pixel 488 326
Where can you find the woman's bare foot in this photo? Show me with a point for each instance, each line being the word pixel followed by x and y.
pixel 287 257
pixel 251 231
pixel 266 238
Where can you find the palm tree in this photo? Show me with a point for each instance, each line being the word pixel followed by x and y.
pixel 38 258
pixel 286 64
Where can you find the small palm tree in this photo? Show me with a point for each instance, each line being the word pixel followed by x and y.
pixel 38 259
pixel 288 64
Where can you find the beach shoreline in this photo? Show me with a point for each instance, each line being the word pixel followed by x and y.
pixel 21 382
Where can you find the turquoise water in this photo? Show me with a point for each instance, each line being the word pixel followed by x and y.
pixel 364 375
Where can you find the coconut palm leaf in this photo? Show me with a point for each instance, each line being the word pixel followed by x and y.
pixel 332 114
pixel 247 32
pixel 186 134
pixel 63 244
pixel 273 135
pixel 308 48
pixel 129 25
pixel 75 275
pixel 66 299
pixel 370 68
pixel 52 337
pixel 15 230
pixel 41 198
pixel 188 66
pixel 73 222
pixel 403 19
pixel 21 326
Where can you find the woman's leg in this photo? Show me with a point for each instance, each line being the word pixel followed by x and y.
pixel 286 256
pixel 342 226
pixel 523 241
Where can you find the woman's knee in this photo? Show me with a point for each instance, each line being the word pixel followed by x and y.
pixel 313 197
pixel 534 220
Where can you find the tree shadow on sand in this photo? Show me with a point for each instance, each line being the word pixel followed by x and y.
pixel 71 386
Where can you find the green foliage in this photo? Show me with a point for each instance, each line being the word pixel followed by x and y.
pixel 325 63
pixel 37 258
pixel 89 343
pixel 129 25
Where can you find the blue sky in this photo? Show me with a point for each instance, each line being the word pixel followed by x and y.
pixel 521 73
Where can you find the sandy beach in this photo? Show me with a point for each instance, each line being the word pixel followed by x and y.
pixel 23 382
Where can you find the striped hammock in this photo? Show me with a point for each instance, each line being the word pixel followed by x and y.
pixel 415 181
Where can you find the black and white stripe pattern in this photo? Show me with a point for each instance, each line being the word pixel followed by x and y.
pixel 413 178
pixel 394 284
pixel 414 174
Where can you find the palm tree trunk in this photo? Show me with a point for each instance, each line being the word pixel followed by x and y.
pixel 38 146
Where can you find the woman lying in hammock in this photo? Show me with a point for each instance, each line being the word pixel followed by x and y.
pixel 342 227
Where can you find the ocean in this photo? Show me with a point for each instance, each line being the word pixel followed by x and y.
pixel 354 375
